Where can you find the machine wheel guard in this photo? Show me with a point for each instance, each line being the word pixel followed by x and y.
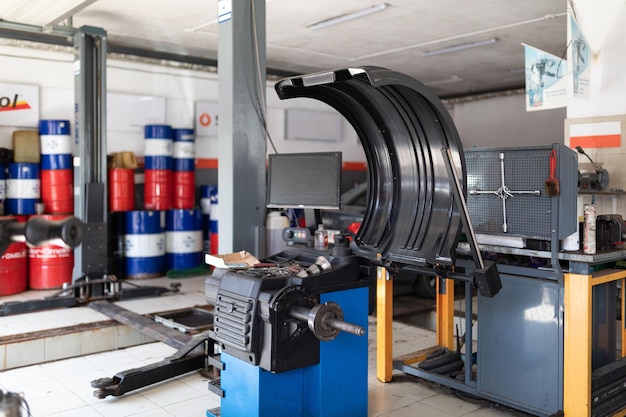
pixel 410 217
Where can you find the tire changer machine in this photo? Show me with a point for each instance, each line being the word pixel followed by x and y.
pixel 291 331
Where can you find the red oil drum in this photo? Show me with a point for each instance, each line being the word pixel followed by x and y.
pixel 158 189
pixel 184 190
pixel 57 191
pixel 50 266
pixel 121 189
pixel 13 267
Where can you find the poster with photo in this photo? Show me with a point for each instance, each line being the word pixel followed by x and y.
pixel 546 84
pixel 579 54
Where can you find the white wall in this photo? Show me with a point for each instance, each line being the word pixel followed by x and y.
pixel 503 121
pixel 603 22
pixel 52 72
pixel 500 121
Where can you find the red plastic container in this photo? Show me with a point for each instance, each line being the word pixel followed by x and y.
pixel 121 189
pixel 158 189
pixel 57 191
pixel 50 266
pixel 13 266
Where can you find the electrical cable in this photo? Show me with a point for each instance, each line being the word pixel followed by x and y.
pixel 260 109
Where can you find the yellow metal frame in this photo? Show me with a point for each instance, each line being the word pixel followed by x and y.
pixel 445 313
pixel 384 320
pixel 577 332
pixel 577 338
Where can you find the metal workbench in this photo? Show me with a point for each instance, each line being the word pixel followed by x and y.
pixel 539 339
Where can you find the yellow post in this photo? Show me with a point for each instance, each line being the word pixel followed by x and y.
pixel 445 313
pixel 384 320
pixel 577 345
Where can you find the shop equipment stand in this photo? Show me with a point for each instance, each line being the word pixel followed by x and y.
pixel 292 336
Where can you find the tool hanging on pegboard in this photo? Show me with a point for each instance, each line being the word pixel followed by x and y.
pixel 504 192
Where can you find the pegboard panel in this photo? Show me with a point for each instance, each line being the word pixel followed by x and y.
pixel 525 169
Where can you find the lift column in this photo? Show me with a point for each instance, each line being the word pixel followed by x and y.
pixel 241 129
pixel 90 162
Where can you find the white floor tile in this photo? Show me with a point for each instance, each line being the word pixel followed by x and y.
pixel 450 405
pixel 15 379
pixel 54 403
pixel 171 393
pixel 85 411
pixel 125 405
pixel 62 388
pixel 194 407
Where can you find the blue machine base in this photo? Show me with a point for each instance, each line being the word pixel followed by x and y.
pixel 336 387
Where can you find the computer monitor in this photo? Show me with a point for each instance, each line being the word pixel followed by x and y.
pixel 304 180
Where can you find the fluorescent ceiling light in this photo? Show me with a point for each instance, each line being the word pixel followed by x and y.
pixel 453 79
pixel 40 12
pixel 460 47
pixel 348 16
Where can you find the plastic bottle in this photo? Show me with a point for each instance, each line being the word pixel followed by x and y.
pixel 589 231
pixel 321 238
pixel 275 224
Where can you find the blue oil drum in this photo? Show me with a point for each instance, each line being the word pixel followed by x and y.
pixel 3 183
pixel 144 244
pixel 207 193
pixel 158 147
pixel 183 237
pixel 23 188
pixel 56 144
pixel 184 149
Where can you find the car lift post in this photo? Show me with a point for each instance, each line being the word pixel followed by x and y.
pixel 90 162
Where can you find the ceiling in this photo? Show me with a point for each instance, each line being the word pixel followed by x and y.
pixel 395 37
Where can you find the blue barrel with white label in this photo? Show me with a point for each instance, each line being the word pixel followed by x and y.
pixel 144 244
pixel 184 149
pixel 23 188
pixel 56 144
pixel 158 147
pixel 3 183
pixel 206 191
pixel 183 238
pixel 213 224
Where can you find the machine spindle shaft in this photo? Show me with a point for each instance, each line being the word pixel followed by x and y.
pixel 346 327
pixel 325 320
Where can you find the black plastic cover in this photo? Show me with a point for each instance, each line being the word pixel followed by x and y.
pixel 410 216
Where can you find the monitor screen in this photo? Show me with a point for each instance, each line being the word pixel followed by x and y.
pixel 304 180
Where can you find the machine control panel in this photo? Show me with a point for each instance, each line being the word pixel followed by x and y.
pixel 296 235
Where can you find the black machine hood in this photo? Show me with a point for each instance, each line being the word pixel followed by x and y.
pixel 410 217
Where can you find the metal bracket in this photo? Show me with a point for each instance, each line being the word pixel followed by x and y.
pixel 486 277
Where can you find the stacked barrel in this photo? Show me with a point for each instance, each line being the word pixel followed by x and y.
pixel 57 192
pixel 210 215
pixel 158 163
pixel 39 182
pixel 184 157
pixel 166 233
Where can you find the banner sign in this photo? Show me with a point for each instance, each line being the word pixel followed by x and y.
pixel 206 118
pixel 579 54
pixel 19 105
pixel 546 84
pixel 606 134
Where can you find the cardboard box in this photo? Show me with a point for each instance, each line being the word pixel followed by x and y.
pixel 234 260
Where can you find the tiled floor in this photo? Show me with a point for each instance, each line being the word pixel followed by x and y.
pixel 62 388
